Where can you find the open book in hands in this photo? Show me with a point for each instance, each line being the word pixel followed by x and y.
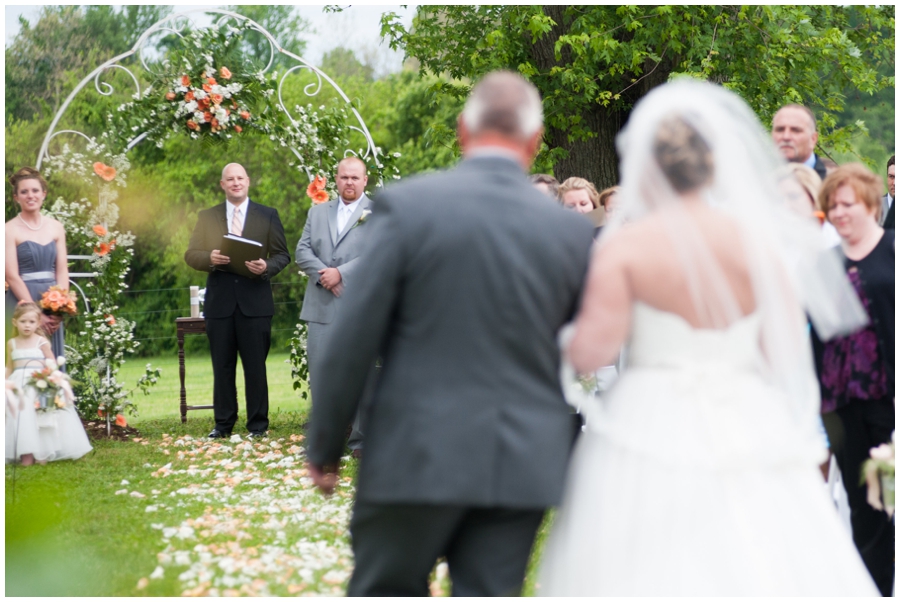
pixel 240 250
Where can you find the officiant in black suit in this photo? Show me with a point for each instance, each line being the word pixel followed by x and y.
pixel 238 309
pixel 469 276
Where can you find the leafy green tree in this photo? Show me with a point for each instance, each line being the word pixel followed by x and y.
pixel 46 60
pixel 285 25
pixel 342 62
pixel 593 63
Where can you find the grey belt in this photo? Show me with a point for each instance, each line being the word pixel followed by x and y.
pixel 39 276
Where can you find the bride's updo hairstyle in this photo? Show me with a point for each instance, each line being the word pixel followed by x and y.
pixel 683 155
pixel 27 173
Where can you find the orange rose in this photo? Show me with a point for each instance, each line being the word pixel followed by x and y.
pixel 193 125
pixel 319 197
pixel 225 73
pixel 245 115
pixel 238 129
pixel 216 98
pixel 102 250
pixel 203 104
pixel 211 81
pixel 207 87
pixel 120 421
pixel 185 80
pixel 215 124
pixel 110 320
pixel 189 96
pixel 207 116
pixel 107 172
pixel 99 230
pixel 170 96
pixel 101 413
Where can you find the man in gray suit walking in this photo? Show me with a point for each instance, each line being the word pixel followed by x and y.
pixel 470 276
pixel 328 252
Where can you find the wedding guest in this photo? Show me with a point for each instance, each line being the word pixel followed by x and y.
pixel 329 252
pixel 795 133
pixel 809 184
pixel 60 434
pixel 856 372
pixel 609 200
pixel 579 195
pixel 468 434
pixel 887 201
pixel 546 184
pixel 238 308
pixel 35 252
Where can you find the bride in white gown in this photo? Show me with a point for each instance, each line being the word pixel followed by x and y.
pixel 698 472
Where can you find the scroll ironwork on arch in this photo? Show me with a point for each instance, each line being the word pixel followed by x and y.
pixel 203 87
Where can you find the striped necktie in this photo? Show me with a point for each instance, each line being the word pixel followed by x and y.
pixel 236 222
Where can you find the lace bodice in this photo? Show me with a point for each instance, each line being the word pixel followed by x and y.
pixel 661 339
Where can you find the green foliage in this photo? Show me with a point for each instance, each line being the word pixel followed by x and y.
pixel 45 61
pixel 342 63
pixel 300 362
pixel 283 23
pixel 593 63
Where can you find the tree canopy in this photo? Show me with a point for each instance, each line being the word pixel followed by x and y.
pixel 593 63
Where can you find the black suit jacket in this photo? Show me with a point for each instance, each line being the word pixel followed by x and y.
pixel 468 278
pixel 889 218
pixel 819 167
pixel 226 291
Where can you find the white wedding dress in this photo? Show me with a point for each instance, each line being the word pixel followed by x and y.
pixel 57 435
pixel 692 479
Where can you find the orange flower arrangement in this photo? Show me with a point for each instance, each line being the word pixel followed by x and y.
pixel 120 421
pixel 59 301
pixel 99 230
pixel 106 172
pixel 185 80
pixel 224 73
pixel 103 249
pixel 316 190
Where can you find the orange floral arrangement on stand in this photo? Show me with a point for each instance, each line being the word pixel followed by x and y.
pixel 316 190
pixel 59 301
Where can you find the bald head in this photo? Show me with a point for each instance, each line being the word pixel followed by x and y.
pixel 504 103
pixel 235 183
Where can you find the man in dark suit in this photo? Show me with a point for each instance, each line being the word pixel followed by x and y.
pixel 238 309
pixel 887 201
pixel 796 134
pixel 468 277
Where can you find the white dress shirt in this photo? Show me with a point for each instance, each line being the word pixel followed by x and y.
pixel 229 213
pixel 345 210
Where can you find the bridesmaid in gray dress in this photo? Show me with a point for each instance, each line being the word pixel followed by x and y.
pixel 34 242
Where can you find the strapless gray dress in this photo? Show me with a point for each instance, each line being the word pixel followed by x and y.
pixel 37 267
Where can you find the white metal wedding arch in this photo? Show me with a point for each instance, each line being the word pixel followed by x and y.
pixel 177 24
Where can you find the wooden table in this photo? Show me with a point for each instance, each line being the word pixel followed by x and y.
pixel 185 326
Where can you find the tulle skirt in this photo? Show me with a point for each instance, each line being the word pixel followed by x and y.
pixel 696 487
pixel 49 436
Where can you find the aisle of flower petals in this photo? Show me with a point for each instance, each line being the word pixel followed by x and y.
pixel 263 529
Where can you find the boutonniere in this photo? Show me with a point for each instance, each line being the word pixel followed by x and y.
pixel 362 218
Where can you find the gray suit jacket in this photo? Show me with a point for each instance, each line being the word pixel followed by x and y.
pixel 322 246
pixel 471 275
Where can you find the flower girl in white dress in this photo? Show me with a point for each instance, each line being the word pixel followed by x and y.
pixel 60 435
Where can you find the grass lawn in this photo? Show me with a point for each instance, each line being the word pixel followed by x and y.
pixel 173 514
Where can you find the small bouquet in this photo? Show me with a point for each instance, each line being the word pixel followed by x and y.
pixel 58 301
pixel 52 386
pixel 878 475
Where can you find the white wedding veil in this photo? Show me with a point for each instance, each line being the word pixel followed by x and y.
pixel 789 269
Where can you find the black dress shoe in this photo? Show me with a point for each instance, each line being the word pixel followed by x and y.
pixel 217 434
pixel 258 435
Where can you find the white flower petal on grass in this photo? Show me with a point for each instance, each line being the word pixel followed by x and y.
pixel 137 494
pixel 157 573
pixel 121 492
pixel 235 438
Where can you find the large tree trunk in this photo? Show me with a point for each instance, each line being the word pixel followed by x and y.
pixel 594 159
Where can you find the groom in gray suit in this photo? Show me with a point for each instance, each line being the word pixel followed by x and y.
pixel 470 276
pixel 328 252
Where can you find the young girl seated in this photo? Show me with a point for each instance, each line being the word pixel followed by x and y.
pixel 57 435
